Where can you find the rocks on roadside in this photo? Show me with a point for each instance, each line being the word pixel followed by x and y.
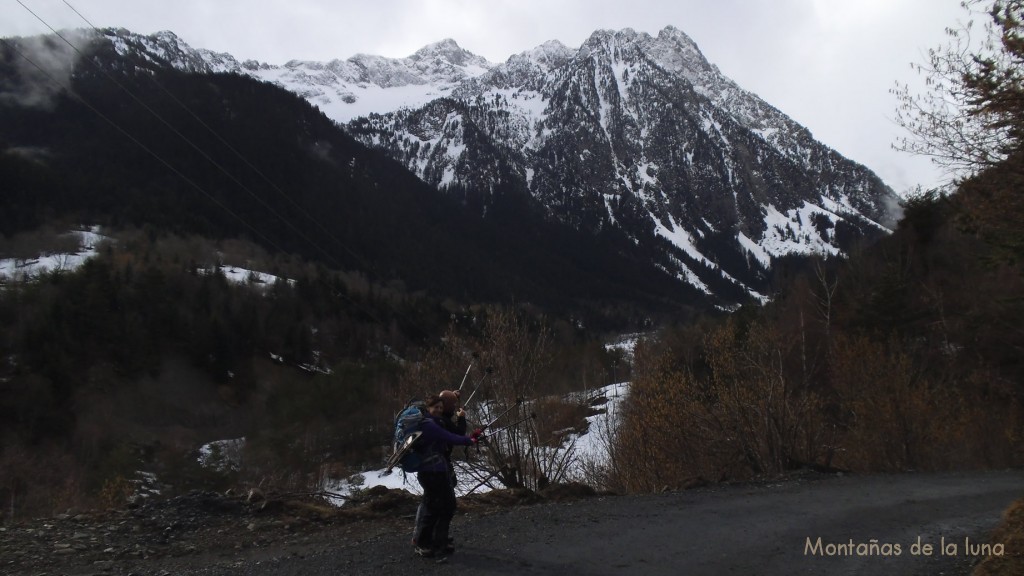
pixel 173 528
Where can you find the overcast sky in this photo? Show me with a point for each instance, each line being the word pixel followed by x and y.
pixel 828 64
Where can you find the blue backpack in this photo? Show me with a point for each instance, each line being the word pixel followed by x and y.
pixel 407 432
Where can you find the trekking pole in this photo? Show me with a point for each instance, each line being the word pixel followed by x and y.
pixel 465 375
pixel 519 401
pixel 487 425
pixel 532 416
pixel 487 372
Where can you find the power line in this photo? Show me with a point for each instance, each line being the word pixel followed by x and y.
pixel 206 156
pixel 245 160
pixel 148 150
pixel 183 137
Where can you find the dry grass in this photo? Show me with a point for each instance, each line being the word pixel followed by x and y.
pixel 557 417
pixel 1010 534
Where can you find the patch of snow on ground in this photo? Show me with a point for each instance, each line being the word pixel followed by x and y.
pixel 795 233
pixel 592 447
pixel 642 170
pixel 25 269
pixel 755 250
pixel 222 455
pixel 240 275
pixel 682 239
pixel 626 343
pixel 339 490
pixel 372 99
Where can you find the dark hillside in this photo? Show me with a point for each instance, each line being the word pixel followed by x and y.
pixel 318 193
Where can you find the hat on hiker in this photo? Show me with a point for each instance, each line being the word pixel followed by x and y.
pixel 450 399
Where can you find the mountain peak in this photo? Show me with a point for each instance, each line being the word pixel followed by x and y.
pixel 447 50
pixel 683 44
pixel 169 47
pixel 549 54
pixel 447 44
pixel 672 48
pixel 164 36
pixel 603 37
pixel 674 33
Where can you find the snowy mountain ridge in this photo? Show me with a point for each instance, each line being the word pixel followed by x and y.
pixel 343 89
pixel 631 132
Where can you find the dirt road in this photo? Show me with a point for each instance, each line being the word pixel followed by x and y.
pixel 812 524
pixel 866 525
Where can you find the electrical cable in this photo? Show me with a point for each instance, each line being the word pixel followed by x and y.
pixel 148 150
pixel 199 150
pixel 245 160
pixel 183 137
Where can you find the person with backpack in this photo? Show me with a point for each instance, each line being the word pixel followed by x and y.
pixel 430 537
pixel 453 419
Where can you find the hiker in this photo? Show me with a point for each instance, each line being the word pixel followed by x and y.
pixel 430 537
pixel 453 419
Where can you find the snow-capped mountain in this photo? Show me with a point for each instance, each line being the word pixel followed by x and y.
pixel 343 89
pixel 630 131
pixel 644 134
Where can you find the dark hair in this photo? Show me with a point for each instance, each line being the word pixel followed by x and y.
pixel 433 399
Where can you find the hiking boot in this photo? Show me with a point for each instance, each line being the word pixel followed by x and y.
pixel 424 552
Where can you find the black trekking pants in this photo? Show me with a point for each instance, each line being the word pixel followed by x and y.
pixel 437 508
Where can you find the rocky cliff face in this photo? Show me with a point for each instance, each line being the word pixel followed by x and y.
pixel 644 134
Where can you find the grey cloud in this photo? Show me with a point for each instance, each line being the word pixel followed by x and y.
pixel 44 65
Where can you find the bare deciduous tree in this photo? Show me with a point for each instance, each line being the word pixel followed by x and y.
pixel 971 116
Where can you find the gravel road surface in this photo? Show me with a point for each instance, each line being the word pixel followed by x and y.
pixel 866 525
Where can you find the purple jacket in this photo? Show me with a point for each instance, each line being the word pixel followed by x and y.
pixel 434 443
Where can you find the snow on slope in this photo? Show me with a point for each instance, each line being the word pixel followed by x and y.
pixel 88 241
pixel 25 269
